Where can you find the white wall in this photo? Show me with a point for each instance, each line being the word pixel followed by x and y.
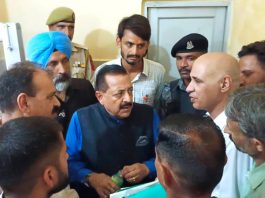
pixel 97 21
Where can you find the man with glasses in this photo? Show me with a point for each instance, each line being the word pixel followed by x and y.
pixel 115 135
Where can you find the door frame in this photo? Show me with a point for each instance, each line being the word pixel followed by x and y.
pixel 216 3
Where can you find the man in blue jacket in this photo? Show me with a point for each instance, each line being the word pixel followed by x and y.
pixel 115 135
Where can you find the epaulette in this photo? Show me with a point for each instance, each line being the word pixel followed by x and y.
pixel 76 45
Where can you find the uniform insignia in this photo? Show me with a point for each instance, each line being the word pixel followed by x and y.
pixel 73 16
pixel 189 45
pixel 62 114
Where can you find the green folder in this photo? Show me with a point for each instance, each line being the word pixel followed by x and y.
pixel 154 191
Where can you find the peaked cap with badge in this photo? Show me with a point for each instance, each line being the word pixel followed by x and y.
pixel 190 43
pixel 61 14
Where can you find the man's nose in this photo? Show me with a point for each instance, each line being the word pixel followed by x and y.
pixel 190 88
pixel 61 68
pixel 134 49
pixel 183 63
pixel 66 31
pixel 242 80
pixel 127 96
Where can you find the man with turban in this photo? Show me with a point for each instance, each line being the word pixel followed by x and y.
pixel 52 51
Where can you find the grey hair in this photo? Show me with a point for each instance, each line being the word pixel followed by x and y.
pixel 246 106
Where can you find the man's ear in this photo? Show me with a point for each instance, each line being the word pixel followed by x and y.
pixel 226 83
pixel 258 144
pixel 99 96
pixel 22 103
pixel 50 176
pixel 167 177
pixel 118 41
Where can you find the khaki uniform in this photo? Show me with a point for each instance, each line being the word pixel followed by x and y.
pixel 81 62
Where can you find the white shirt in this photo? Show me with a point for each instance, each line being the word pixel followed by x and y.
pixel 236 169
pixel 65 193
pixel 146 83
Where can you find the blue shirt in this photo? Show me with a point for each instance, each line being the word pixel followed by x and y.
pixel 78 170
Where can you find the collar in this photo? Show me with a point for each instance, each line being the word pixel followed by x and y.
pixel 257 176
pixel 146 67
pixel 181 85
pixel 111 117
pixel 220 120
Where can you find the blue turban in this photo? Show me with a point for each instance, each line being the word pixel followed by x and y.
pixel 40 48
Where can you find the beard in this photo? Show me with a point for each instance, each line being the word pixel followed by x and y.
pixel 63 181
pixel 62 82
pixel 132 63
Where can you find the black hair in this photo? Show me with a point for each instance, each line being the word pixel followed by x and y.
pixel 15 81
pixel 24 143
pixel 101 84
pixel 195 149
pixel 136 23
pixel 257 48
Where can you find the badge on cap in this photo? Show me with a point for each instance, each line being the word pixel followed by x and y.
pixel 189 45
pixel 73 16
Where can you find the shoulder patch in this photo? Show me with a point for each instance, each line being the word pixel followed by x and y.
pixel 76 45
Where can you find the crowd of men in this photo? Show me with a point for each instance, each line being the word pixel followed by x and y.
pixel 201 135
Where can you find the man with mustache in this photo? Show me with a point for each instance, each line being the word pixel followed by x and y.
pixel 173 97
pixel 52 50
pixel 27 91
pixel 112 136
pixel 245 125
pixel 133 38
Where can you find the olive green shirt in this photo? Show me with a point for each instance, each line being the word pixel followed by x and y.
pixel 256 183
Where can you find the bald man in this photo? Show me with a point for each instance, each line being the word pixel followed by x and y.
pixel 214 76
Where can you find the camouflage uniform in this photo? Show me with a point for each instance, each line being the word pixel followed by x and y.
pixel 173 98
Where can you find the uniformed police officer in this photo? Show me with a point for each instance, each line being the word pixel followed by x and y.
pixel 63 19
pixel 173 97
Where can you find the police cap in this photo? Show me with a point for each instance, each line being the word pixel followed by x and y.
pixel 61 14
pixel 190 43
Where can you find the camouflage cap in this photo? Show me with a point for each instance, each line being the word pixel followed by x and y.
pixel 61 14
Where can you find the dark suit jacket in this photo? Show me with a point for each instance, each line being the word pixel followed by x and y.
pixel 79 94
